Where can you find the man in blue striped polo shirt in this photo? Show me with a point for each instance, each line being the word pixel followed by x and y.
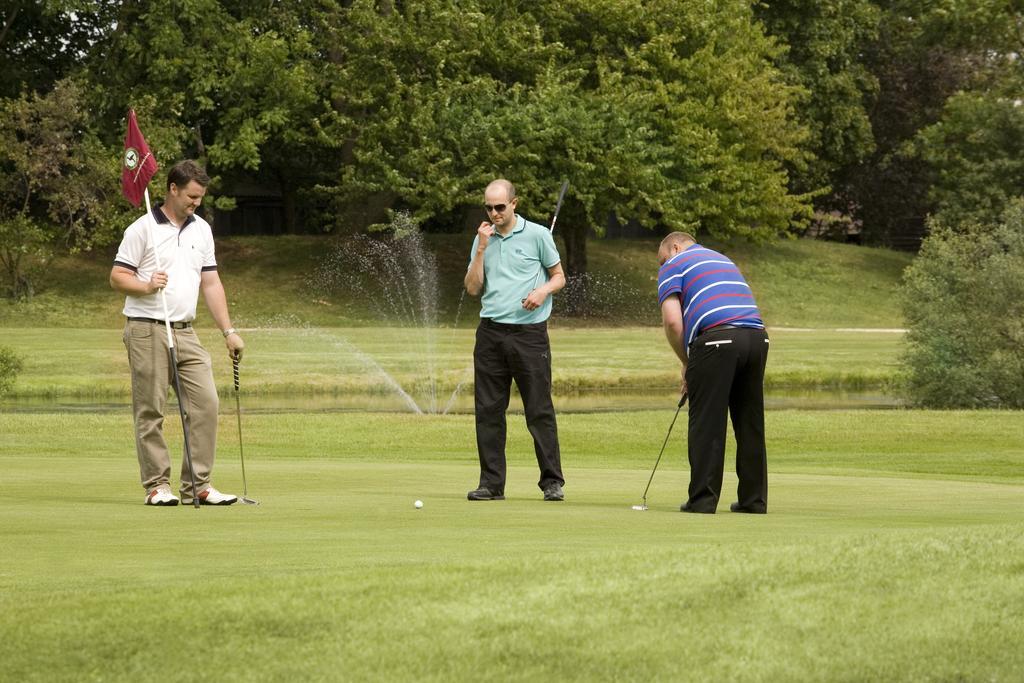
pixel 715 328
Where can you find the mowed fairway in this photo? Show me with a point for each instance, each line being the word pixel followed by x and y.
pixel 893 551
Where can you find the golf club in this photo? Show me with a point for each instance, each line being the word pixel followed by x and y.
pixel 643 506
pixel 238 411
pixel 184 416
pixel 558 204
pixel 554 219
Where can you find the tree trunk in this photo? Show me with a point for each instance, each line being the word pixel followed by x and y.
pixel 573 227
pixel 291 223
pixel 8 22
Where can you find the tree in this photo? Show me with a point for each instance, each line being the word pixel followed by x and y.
pixel 963 298
pixel 44 41
pixel 234 84
pixel 57 183
pixel 926 52
pixel 976 152
pixel 824 43
pixel 666 111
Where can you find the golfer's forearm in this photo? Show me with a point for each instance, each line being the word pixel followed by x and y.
pixel 129 284
pixel 474 280
pixel 556 283
pixel 674 335
pixel 672 322
pixel 217 303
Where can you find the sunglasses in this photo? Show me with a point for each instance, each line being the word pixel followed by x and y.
pixel 498 208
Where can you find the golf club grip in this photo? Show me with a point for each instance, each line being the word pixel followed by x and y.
pixel 682 401
pixel 234 364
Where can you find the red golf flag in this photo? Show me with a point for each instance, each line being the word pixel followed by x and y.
pixel 138 164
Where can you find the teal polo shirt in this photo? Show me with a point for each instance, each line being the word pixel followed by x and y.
pixel 515 265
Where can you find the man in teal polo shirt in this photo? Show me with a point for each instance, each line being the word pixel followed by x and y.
pixel 515 265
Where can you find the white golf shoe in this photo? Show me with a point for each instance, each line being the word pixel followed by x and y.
pixel 212 496
pixel 160 497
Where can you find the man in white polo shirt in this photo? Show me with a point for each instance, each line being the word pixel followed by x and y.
pixel 185 245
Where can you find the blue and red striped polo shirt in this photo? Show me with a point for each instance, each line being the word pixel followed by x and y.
pixel 711 289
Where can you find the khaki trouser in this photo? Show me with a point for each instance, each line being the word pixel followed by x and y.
pixel 149 359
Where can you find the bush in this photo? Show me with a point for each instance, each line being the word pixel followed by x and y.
pixel 963 298
pixel 10 366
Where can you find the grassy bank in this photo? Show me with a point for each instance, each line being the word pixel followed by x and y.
pixel 92 363
pixel 882 558
pixel 798 283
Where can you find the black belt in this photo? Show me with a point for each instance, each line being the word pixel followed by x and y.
pixel 177 326
pixel 716 328
pixel 490 322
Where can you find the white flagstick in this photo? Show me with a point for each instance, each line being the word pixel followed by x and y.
pixel 174 354
pixel 156 254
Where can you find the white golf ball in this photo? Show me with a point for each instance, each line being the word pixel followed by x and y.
pixel 418 504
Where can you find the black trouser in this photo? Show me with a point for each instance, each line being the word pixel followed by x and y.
pixel 522 353
pixel 725 375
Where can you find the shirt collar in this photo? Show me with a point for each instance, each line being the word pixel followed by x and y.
pixel 692 246
pixel 520 226
pixel 162 219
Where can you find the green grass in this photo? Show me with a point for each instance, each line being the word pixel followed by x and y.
pixel 92 363
pixel 892 552
pixel 798 283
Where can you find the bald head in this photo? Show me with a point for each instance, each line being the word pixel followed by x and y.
pixel 674 243
pixel 501 187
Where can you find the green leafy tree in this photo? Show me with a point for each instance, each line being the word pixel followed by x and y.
pixel 977 153
pixel 44 41
pixel 963 298
pixel 670 112
pixel 695 126
pixel 57 184
pixel 925 53
pixel 824 43
pixel 234 84
pixel 974 151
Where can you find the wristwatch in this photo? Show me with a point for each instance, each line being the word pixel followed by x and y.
pixel 228 332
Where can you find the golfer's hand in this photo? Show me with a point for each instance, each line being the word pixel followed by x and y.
pixel 682 385
pixel 535 299
pixel 157 282
pixel 235 346
pixel 484 232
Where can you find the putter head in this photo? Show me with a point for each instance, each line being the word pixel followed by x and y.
pixel 248 501
pixel 640 508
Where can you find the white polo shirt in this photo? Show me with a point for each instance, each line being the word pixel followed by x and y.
pixel 184 254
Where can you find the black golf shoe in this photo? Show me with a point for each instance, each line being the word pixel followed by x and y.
pixel 736 507
pixel 484 493
pixel 554 492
